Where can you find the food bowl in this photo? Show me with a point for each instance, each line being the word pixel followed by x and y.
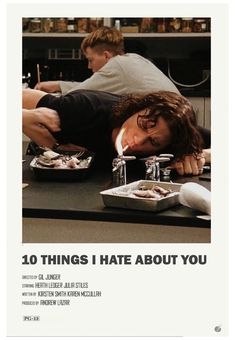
pixel 44 169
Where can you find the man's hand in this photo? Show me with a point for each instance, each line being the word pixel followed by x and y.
pixel 190 165
pixel 48 86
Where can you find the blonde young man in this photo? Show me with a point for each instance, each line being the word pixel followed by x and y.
pixel 114 71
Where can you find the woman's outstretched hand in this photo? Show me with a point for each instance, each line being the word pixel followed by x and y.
pixel 39 124
pixel 41 116
pixel 192 165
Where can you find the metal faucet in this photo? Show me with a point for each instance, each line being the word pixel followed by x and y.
pixel 152 164
pixel 152 169
pixel 119 169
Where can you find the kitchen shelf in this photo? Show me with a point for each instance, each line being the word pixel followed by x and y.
pixel 127 35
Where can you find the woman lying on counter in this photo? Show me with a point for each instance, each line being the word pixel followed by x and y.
pixel 157 122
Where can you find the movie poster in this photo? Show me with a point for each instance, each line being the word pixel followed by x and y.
pixel 76 267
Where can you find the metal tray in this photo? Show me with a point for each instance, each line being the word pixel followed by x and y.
pixel 58 174
pixel 119 197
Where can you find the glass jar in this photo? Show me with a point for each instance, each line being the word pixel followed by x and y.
pixel 71 27
pixel 61 25
pixel 26 24
pixel 117 24
pixel 147 25
pixel 187 25
pixel 200 25
pixel 161 25
pixel 95 23
pixel 82 25
pixel 52 25
pixel 47 25
pixel 174 25
pixel 35 25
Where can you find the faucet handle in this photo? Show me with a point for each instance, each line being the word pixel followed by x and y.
pixel 117 163
pixel 156 159
pixel 164 157
pixel 168 155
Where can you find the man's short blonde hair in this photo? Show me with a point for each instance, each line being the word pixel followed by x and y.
pixel 104 38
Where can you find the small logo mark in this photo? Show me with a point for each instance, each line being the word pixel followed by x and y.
pixel 217 329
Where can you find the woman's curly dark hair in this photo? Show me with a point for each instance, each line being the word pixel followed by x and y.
pixel 175 109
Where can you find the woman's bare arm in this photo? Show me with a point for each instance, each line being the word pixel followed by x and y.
pixel 30 98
